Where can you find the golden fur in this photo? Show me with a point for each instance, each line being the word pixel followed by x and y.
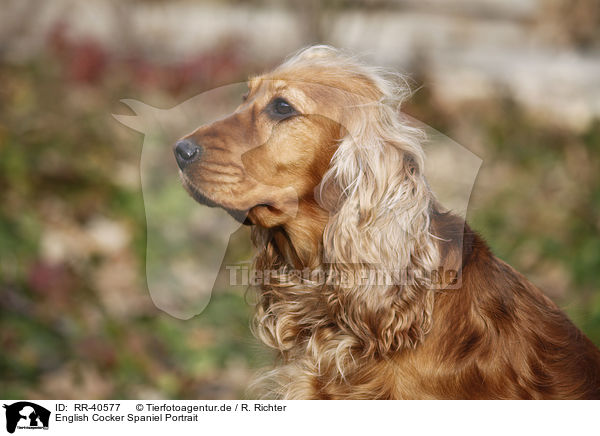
pixel 338 189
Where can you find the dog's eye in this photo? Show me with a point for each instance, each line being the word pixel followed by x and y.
pixel 281 108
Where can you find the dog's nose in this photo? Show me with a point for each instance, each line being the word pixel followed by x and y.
pixel 186 151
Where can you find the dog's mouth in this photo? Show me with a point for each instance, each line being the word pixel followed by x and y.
pixel 240 216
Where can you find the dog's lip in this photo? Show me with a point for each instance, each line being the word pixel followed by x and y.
pixel 202 198
pixel 238 214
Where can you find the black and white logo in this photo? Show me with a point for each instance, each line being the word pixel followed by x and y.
pixel 26 415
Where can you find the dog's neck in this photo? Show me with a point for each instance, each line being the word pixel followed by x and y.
pixel 305 235
pixel 300 239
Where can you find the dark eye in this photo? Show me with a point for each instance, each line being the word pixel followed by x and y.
pixel 281 108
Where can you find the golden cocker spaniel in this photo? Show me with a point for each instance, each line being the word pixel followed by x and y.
pixel 319 161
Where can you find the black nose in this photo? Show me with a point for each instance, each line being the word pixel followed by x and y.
pixel 186 151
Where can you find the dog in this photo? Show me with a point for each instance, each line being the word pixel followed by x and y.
pixel 320 162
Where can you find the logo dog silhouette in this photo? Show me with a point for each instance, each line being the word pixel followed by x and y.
pixel 25 410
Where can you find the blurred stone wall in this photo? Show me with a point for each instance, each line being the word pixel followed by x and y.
pixel 543 53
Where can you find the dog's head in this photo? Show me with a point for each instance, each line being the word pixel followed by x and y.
pixel 267 157
pixel 317 148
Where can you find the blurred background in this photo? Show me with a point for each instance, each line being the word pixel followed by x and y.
pixel 517 82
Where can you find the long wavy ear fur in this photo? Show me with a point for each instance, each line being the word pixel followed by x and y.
pixel 379 204
pixel 379 229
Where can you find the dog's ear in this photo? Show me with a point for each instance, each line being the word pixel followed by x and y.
pixel 377 244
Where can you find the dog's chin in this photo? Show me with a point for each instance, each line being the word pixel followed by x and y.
pixel 240 216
